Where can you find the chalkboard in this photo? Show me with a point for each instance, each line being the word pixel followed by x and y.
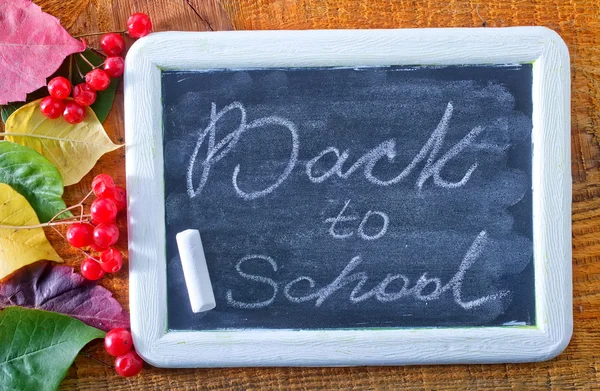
pixel 345 198
pixel 364 197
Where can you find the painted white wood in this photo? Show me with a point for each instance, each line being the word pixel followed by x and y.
pixel 248 49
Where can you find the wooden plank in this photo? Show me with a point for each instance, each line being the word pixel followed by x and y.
pixel 578 22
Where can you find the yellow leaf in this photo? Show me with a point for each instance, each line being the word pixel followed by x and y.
pixel 20 247
pixel 73 149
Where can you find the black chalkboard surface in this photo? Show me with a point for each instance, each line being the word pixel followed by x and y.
pixel 352 198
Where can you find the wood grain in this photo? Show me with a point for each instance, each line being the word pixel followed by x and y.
pixel 66 11
pixel 577 21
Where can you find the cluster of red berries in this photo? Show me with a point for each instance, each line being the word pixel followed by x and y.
pixel 84 94
pixel 103 232
pixel 118 343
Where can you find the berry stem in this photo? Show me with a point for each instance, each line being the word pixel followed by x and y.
pixel 71 69
pixel 87 61
pixel 80 250
pixel 42 225
pixel 99 33
pixel 79 71
pixel 65 221
pixel 52 223
pixel 87 196
pixel 98 52
pixel 96 359
pixel 64 210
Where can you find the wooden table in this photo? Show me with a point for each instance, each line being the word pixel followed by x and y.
pixel 577 21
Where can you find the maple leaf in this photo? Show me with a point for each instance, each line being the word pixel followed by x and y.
pixel 56 288
pixel 33 45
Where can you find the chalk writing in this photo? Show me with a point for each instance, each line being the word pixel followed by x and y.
pixel 350 198
pixel 220 150
pixel 387 149
pixel 340 218
pixel 379 293
pixel 264 280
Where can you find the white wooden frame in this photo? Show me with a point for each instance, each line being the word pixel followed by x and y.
pixel 250 49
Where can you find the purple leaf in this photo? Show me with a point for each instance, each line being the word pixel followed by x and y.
pixel 50 287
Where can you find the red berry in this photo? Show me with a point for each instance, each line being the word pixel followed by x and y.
pixel 73 113
pixel 111 261
pixel 114 66
pixel 120 198
pixel 103 210
pixel 95 223
pixel 91 269
pixel 97 248
pixel 139 25
pixel 84 95
pixel 80 234
pixel 112 44
pixel 103 186
pixel 118 341
pixel 59 87
pixel 105 235
pixel 129 364
pixel 97 79
pixel 52 107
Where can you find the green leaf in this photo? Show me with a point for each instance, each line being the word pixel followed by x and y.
pixel 104 99
pixel 8 109
pixel 34 177
pixel 38 347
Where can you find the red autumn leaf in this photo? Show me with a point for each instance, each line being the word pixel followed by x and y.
pixel 33 44
pixel 51 287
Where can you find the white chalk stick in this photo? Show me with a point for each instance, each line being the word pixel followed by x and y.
pixel 195 270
